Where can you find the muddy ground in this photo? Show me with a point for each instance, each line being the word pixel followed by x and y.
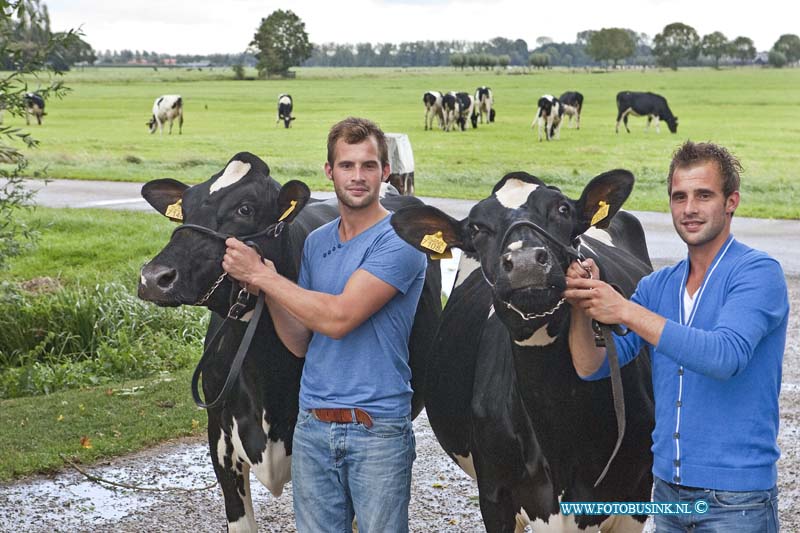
pixel 443 498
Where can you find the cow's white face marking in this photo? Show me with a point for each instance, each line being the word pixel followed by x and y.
pixel 235 171
pixel 514 193
pixel 516 245
pixel 600 235
pixel 466 464
pixel 540 337
pixel 466 266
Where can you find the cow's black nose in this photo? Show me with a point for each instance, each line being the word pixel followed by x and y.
pixel 540 256
pixel 160 276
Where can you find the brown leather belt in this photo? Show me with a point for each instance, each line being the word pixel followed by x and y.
pixel 343 416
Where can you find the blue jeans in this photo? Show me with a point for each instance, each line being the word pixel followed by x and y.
pixel 339 470
pixel 745 512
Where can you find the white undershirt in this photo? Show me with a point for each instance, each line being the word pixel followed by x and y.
pixel 688 303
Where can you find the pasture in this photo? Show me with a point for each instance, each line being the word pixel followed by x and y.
pixel 99 132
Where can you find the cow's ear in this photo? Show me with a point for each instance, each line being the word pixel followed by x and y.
pixel 165 196
pixel 601 199
pixel 430 230
pixel 292 199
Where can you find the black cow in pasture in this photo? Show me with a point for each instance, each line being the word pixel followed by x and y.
pixel 652 105
pixel 433 108
pixel 254 426
pixel 34 105
pixel 450 109
pixel 502 395
pixel 548 116
pixel 285 106
pixel 573 104
pixel 464 107
pixel 484 100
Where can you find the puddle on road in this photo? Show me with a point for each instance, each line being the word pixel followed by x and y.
pixel 74 501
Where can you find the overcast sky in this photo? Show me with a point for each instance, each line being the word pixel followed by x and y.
pixel 227 26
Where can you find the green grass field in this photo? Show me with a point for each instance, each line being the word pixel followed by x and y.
pixel 98 131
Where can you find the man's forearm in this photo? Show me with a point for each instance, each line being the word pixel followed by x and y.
pixel 586 356
pixel 645 323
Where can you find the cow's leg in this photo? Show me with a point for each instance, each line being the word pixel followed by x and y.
pixel 658 125
pixel 649 120
pixel 578 119
pixel 170 125
pixel 498 513
pixel 619 119
pixel 27 117
pixel 180 124
pixel 234 480
pixel 625 120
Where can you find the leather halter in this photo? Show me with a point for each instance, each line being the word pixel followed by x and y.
pixel 272 231
pixel 602 333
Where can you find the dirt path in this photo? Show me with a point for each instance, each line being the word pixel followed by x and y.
pixel 443 498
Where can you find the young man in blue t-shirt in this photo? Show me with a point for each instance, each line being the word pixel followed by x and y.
pixel 715 325
pixel 350 316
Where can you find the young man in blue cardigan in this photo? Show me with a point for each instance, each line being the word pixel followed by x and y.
pixel 715 325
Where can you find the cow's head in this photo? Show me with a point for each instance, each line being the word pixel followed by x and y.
pixel 672 124
pixel 242 199
pixel 287 120
pixel 524 266
pixel 474 118
pixel 152 125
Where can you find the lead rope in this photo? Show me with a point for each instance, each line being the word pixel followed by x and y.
pixel 605 338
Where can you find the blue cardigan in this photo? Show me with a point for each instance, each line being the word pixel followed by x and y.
pixel 716 381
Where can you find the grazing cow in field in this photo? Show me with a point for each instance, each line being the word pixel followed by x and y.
pixel 502 395
pixel 651 105
pixel 573 104
pixel 252 429
pixel 483 104
pixel 450 109
pixel 433 108
pixel 464 107
pixel 34 105
pixel 285 106
pixel 548 116
pixel 166 108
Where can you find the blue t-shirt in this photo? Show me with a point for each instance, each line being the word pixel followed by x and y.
pixel 368 368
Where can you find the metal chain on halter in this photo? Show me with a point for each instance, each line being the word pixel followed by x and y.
pixel 216 284
pixel 534 316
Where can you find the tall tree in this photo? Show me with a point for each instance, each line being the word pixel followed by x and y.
pixel 743 49
pixel 611 44
pixel 280 42
pixel 789 45
pixel 676 42
pixel 715 45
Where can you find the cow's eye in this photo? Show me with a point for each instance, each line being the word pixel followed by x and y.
pixel 245 210
pixel 475 230
pixel 563 209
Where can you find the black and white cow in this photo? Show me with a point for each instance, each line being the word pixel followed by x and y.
pixel 483 104
pixel 652 105
pixel 166 108
pixel 502 395
pixel 465 104
pixel 253 428
pixel 573 104
pixel 548 116
pixel 450 109
pixel 285 106
pixel 34 105
pixel 433 109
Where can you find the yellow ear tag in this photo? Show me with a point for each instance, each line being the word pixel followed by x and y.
pixel 434 243
pixel 174 211
pixel 601 213
pixel 288 211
